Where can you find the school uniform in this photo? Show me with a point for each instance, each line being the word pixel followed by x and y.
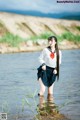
pixel 49 59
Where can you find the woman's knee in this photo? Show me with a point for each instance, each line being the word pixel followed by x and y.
pixel 43 89
pixel 50 89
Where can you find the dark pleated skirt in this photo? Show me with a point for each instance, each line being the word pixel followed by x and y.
pixel 47 76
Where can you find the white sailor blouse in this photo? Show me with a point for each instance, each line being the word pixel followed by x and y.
pixel 48 58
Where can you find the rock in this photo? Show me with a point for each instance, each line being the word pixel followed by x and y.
pixel 3 47
pixel 12 50
pixel 29 43
pixel 41 42
pixel 65 44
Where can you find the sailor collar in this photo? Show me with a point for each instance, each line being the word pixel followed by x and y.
pixel 52 54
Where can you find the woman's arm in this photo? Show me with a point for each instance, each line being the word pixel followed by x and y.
pixel 41 58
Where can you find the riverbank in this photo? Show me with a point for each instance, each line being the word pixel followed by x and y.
pixel 19 33
pixel 30 47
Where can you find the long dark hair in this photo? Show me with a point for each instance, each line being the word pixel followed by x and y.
pixel 57 53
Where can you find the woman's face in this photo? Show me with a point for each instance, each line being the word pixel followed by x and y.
pixel 52 42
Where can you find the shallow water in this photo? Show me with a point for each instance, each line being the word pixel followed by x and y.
pixel 19 85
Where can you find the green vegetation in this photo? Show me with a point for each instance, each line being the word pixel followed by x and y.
pixel 46 109
pixel 65 36
pixel 69 36
pixel 41 36
pixel 31 106
pixel 78 27
pixel 5 107
pixel 12 40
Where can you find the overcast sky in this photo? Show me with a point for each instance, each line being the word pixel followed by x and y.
pixel 46 6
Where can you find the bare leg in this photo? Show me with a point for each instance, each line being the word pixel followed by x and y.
pixel 50 97
pixel 42 87
pixel 50 89
pixel 41 102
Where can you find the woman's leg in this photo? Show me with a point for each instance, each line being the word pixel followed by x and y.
pixel 42 87
pixel 50 89
pixel 41 101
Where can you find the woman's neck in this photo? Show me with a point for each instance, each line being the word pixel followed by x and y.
pixel 52 48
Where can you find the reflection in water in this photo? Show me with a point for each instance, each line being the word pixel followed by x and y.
pixel 48 106
pixel 47 110
pixel 41 102
pixel 51 105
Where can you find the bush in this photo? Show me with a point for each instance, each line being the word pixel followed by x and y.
pixel 69 36
pixel 41 36
pixel 12 40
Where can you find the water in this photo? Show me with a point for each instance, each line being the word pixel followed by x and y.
pixel 18 78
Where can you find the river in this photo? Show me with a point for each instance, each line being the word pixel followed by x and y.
pixel 19 85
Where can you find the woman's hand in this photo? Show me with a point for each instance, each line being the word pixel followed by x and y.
pixel 55 71
pixel 44 67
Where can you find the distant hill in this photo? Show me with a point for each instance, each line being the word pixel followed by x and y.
pixel 14 27
pixel 26 26
pixel 63 15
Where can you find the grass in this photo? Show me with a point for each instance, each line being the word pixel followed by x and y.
pixel 41 36
pixel 48 111
pixel 5 107
pixel 78 27
pixel 31 106
pixel 69 36
pixel 12 40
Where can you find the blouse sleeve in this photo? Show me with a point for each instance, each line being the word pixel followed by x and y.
pixel 60 56
pixel 41 57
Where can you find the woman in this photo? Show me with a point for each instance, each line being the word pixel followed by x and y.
pixel 50 59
